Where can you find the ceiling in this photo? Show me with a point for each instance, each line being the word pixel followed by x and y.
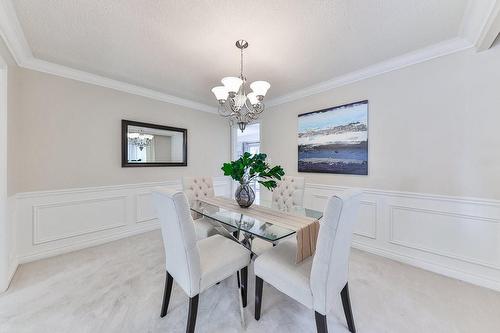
pixel 183 48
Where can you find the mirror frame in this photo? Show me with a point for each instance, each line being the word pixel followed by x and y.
pixel 126 163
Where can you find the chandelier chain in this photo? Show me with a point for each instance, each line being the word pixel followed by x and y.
pixel 241 64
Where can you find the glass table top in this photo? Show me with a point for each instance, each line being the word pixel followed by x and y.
pixel 248 224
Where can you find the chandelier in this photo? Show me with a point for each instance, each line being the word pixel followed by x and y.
pixel 234 102
pixel 140 140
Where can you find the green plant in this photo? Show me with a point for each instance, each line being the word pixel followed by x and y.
pixel 253 167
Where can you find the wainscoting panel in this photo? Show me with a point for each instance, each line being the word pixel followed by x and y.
pixel 457 237
pixel 316 197
pixel 453 235
pixel 80 217
pixel 367 223
pixel 55 222
pixel 145 208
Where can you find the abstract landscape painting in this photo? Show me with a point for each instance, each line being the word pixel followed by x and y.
pixel 335 140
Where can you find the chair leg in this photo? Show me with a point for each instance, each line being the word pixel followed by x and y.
pixel 193 311
pixel 166 294
pixel 244 285
pixel 346 304
pixel 258 296
pixel 321 326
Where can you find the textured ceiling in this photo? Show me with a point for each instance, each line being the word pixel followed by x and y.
pixel 183 48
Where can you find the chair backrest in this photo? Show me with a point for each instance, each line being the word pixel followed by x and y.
pixel 331 261
pixel 182 258
pixel 289 193
pixel 198 188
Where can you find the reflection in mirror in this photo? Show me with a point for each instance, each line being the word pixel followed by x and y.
pixel 153 145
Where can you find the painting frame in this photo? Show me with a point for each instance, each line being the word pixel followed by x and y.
pixel 363 169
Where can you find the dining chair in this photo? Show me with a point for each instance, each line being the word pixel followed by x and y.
pixel 198 188
pixel 195 265
pixel 287 196
pixel 316 281
pixel 289 193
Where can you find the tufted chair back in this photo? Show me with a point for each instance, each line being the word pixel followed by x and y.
pixel 197 188
pixel 330 265
pixel 289 194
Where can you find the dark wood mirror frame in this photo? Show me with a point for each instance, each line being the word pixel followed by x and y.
pixel 125 161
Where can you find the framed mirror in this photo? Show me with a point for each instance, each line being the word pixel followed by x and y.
pixel 151 145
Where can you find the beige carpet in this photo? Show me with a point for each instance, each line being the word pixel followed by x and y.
pixel 117 287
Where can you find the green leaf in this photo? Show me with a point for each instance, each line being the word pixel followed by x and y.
pixel 254 167
pixel 269 184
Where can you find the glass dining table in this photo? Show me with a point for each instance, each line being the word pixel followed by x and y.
pixel 244 228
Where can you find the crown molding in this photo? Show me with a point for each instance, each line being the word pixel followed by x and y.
pixel 13 35
pixel 79 75
pixel 481 23
pixel 434 51
pixel 490 29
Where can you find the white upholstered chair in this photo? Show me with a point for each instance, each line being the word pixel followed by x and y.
pixel 194 265
pixel 289 194
pixel 316 281
pixel 197 188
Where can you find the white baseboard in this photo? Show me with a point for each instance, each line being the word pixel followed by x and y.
pixel 430 266
pixel 452 236
pixel 14 264
pixel 98 240
pixel 11 270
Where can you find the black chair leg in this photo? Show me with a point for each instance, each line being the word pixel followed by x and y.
pixel 169 280
pixel 244 285
pixel 193 311
pixel 258 296
pixel 346 304
pixel 321 326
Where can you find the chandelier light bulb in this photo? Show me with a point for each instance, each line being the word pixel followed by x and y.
pixel 232 84
pixel 220 93
pixel 260 87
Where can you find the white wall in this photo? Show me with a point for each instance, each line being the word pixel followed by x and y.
pixel 8 254
pixel 67 134
pixel 432 127
pixel 4 234
pixel 433 144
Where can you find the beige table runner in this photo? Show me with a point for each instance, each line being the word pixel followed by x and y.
pixel 306 228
